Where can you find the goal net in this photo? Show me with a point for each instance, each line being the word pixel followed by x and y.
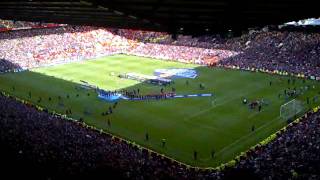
pixel 291 109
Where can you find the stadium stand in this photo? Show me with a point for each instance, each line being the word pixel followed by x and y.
pixel 293 52
pixel 46 138
pixel 9 25
pixel 79 150
pixel 294 153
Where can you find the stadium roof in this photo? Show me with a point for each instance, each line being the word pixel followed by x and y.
pixel 189 16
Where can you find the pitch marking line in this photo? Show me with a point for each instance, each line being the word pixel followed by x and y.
pixel 244 137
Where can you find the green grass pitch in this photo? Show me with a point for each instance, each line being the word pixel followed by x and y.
pixel 201 124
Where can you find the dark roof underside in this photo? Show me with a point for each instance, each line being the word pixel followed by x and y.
pixel 194 16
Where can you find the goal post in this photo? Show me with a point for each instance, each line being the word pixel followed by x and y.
pixel 291 109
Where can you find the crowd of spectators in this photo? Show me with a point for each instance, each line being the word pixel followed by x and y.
pixel 294 154
pixel 38 47
pixel 68 148
pixel 73 149
pixel 293 52
pixel 145 36
pixel 8 25
pixel 180 53
pixel 6 66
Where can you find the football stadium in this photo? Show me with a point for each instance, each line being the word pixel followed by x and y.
pixel 84 98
